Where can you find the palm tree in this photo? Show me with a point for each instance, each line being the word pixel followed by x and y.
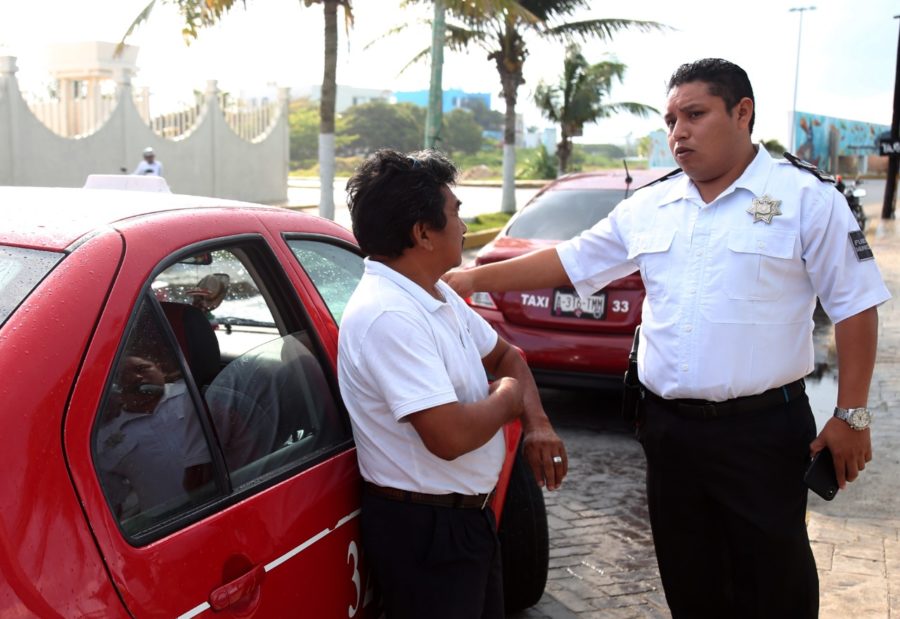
pixel 579 98
pixel 503 36
pixel 199 14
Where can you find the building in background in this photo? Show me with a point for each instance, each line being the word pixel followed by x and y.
pixel 838 145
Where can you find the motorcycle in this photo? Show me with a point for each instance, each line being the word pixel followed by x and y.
pixel 853 193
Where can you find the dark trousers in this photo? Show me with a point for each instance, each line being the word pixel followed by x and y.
pixel 433 562
pixel 727 509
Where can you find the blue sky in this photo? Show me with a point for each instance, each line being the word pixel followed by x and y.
pixel 847 60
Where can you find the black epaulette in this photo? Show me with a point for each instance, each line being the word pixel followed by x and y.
pixel 823 176
pixel 665 177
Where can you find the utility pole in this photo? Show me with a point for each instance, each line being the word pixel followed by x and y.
pixel 801 10
pixel 890 188
pixel 434 116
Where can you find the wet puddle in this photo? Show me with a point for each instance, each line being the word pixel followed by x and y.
pixel 822 383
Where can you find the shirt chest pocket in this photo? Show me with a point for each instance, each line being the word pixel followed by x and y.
pixel 758 264
pixel 651 252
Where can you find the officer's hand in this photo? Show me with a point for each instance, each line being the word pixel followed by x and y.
pixel 850 448
pixel 541 446
pixel 461 281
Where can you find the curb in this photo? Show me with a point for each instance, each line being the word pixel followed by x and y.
pixel 480 239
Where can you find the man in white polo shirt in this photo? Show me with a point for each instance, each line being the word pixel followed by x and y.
pixel 413 361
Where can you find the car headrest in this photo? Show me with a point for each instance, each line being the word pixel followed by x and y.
pixel 197 339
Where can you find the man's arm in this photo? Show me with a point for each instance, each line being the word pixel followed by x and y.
pixel 537 269
pixel 856 339
pixel 451 430
pixel 540 441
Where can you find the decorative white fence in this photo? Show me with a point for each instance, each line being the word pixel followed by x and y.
pixel 230 149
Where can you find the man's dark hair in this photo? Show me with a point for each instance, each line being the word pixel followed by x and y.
pixel 724 79
pixel 391 192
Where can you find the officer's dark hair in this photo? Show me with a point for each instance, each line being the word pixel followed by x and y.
pixel 724 79
pixel 391 192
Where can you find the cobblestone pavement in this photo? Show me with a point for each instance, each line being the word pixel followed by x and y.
pixel 601 551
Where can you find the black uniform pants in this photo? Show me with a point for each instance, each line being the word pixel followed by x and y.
pixel 727 509
pixel 433 562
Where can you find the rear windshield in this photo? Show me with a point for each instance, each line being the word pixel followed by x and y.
pixel 560 215
pixel 20 271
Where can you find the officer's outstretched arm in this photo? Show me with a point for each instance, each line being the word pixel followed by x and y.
pixel 537 269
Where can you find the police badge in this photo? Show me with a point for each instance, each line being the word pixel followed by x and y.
pixel 764 208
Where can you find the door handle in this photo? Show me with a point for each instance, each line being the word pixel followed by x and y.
pixel 241 589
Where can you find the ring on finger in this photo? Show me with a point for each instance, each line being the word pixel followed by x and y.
pixel 557 459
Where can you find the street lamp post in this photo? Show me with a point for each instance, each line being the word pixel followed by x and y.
pixel 801 10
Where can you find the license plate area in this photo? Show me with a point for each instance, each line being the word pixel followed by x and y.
pixel 567 303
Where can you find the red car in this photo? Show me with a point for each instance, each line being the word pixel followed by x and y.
pixel 174 442
pixel 568 341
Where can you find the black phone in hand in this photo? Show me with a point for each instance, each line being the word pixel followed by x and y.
pixel 820 476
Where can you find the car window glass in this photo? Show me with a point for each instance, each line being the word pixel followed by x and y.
pixel 20 271
pixel 560 215
pixel 272 407
pixel 334 270
pixel 148 431
pixel 221 286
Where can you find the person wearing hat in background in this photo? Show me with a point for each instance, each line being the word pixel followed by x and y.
pixel 149 165
pixel 209 293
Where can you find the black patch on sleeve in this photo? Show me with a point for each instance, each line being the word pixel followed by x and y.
pixel 806 166
pixel 861 246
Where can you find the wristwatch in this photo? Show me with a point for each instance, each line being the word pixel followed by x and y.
pixel 856 418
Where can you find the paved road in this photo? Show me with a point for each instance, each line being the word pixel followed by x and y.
pixel 601 552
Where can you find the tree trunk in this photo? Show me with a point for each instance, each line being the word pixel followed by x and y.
pixel 434 115
pixel 563 153
pixel 326 113
pixel 508 199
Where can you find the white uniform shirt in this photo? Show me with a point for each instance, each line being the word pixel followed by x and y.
pixel 148 449
pixel 401 351
pixel 729 302
pixel 147 168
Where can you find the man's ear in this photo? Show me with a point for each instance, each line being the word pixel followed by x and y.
pixel 421 236
pixel 744 111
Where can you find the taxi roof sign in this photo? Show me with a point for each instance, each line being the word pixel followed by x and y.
pixel 130 182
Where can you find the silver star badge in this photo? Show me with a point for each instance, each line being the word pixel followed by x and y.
pixel 764 208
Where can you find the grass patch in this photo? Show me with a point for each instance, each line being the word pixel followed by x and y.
pixel 487 221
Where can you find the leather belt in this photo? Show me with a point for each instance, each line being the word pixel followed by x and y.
pixel 704 409
pixel 454 499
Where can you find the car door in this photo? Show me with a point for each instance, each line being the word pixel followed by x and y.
pixel 206 436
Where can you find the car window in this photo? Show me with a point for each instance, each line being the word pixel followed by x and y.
pixel 148 430
pixel 220 284
pixel 560 215
pixel 20 271
pixel 263 411
pixel 334 270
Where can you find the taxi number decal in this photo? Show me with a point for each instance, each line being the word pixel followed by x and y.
pixel 619 306
pixel 353 555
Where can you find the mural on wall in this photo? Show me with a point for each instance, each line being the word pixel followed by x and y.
pixel 822 139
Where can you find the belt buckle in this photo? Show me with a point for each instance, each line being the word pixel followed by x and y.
pixel 708 410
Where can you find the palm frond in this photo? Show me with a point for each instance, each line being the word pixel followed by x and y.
pixel 638 109
pixel 140 19
pixel 603 29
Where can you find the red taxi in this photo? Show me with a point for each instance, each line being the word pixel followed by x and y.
pixel 568 341
pixel 175 444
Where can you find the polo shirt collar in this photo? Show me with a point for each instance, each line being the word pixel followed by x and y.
pixel 373 267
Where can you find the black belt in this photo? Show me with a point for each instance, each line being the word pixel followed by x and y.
pixel 704 409
pixel 454 499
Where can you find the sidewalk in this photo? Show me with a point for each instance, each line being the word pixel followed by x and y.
pixel 856 537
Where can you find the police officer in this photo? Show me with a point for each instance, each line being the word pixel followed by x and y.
pixel 733 250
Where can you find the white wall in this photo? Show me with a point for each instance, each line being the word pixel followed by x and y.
pixel 210 160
